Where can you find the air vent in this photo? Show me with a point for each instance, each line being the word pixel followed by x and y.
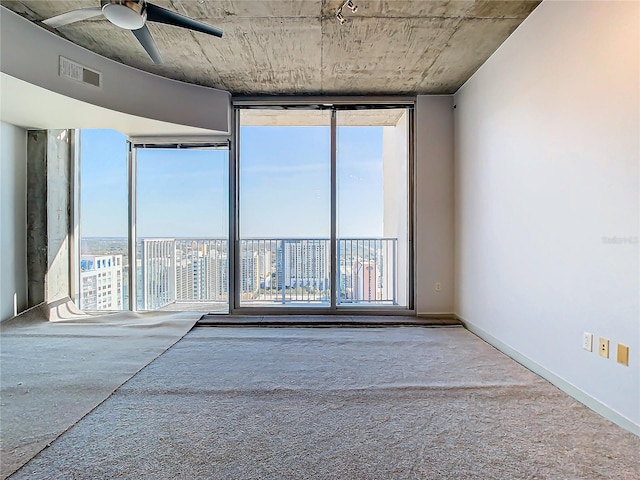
pixel 79 73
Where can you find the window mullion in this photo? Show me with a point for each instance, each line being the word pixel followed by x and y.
pixel 334 216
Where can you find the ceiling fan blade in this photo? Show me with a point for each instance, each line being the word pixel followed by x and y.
pixel 162 15
pixel 72 16
pixel 148 43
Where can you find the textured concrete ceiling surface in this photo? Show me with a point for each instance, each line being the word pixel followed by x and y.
pixel 298 47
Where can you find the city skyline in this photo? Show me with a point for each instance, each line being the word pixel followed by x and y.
pixel 272 272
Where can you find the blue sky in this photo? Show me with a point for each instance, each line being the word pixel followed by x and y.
pixel 284 185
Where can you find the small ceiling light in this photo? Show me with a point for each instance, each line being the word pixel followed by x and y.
pixel 350 5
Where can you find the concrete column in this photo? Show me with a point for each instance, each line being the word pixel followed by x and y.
pixel 48 214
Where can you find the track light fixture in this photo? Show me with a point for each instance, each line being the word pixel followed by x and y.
pixel 350 5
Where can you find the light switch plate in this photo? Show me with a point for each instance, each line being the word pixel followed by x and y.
pixel 623 354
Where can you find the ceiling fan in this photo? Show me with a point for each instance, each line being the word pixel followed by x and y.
pixel 133 15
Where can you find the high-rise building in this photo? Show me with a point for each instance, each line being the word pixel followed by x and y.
pixel 183 270
pixel 101 282
pixel 305 263
pixel 364 280
pixel 158 273
pixel 201 272
pixel 266 267
pixel 250 272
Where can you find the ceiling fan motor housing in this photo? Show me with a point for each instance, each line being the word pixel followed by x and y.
pixel 128 14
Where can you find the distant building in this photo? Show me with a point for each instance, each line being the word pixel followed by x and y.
pixel 364 280
pixel 201 272
pixel 266 267
pixel 101 282
pixel 249 272
pixel 158 273
pixel 183 270
pixel 305 263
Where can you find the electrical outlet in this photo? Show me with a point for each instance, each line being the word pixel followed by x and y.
pixel 623 354
pixel 438 286
pixel 603 347
pixel 587 341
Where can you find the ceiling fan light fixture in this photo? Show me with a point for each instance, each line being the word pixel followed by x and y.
pixel 130 15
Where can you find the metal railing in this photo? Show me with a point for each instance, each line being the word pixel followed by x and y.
pixel 285 271
pixel 368 271
pixel 188 270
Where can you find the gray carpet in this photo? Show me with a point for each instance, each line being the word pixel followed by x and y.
pixel 378 403
pixel 54 373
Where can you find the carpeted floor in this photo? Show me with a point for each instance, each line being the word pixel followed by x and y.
pixel 52 373
pixel 338 403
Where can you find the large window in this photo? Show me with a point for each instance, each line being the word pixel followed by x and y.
pixel 319 202
pixel 104 261
pixel 182 200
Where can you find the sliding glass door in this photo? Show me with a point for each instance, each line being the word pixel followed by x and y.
pixel 284 209
pixel 323 208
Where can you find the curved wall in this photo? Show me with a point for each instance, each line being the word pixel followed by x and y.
pixel 32 54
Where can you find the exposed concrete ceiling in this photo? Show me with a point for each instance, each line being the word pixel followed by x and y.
pixel 298 46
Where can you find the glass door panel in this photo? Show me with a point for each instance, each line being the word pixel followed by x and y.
pixel 182 229
pixel 372 207
pixel 284 208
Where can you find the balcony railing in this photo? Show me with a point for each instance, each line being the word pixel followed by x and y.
pixel 284 271
pixel 368 270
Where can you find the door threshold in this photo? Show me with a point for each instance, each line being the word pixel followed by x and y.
pixel 324 321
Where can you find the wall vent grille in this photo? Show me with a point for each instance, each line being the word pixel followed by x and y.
pixel 79 73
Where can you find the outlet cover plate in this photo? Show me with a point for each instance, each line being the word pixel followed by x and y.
pixel 603 347
pixel 587 341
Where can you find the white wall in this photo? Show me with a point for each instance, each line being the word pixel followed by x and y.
pixel 434 232
pixel 547 173
pixel 13 224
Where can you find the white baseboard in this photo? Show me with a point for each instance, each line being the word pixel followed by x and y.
pixel 561 383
